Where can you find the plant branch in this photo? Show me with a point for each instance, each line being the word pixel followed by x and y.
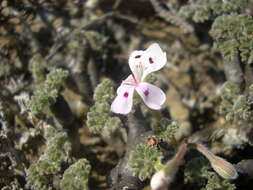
pixel 233 72
pixel 122 175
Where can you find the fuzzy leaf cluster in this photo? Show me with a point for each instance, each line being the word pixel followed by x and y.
pixel 72 46
pixel 95 39
pixel 47 91
pixel 104 92
pixel 234 106
pixel 202 10
pixel 198 171
pixel 233 36
pixel 143 160
pixel 36 66
pixel 215 182
pixel 98 118
pixel 165 128
pixel 152 78
pixel 39 174
pixel 76 176
pixel 112 125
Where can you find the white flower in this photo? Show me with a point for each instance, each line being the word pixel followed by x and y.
pixel 141 64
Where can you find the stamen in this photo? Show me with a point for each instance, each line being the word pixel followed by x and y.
pixel 151 61
pixel 137 56
pixel 138 71
pixel 125 94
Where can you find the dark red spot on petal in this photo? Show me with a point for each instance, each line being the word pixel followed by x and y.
pixel 137 56
pixel 146 92
pixel 126 94
pixel 151 61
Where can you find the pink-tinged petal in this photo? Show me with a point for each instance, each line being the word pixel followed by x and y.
pixel 135 64
pixel 153 59
pixel 152 96
pixel 124 100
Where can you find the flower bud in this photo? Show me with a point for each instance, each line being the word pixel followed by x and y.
pixel 224 168
pixel 220 165
pixel 159 181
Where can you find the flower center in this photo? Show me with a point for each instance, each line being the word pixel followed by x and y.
pixel 146 92
pixel 132 81
pixel 125 94
pixel 139 69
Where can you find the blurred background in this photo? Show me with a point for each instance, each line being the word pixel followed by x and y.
pixel 60 61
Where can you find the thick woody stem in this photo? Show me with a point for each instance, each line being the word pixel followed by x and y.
pixel 66 118
pixel 122 175
pixel 169 17
pixel 233 72
pixel 80 74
